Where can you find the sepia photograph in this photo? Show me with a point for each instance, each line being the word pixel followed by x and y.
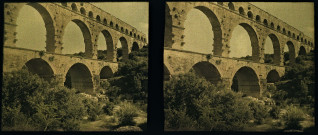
pixel 239 66
pixel 75 66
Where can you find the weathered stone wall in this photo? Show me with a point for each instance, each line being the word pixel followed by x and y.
pixel 15 59
pixel 178 61
pixel 89 18
pixel 225 16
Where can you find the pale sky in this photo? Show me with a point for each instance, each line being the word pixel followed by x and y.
pixel 199 35
pixel 31 28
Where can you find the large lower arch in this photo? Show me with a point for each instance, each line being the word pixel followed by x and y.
pixel 135 47
pixel 291 49
pixel 246 81
pixel 86 35
pixel 79 77
pixel 49 25
pixel 124 44
pixel 208 71
pixel 106 73
pixel 109 44
pixel 254 40
pixel 41 68
pixel 276 47
pixel 272 76
pixel 302 51
pixel 216 28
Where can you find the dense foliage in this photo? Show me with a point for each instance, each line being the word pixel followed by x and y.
pixel 297 85
pixel 132 77
pixel 30 103
pixel 192 103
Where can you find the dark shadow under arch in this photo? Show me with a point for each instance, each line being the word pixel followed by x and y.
pixel 208 71
pixel 302 51
pixel 106 73
pixel 79 77
pixel 246 81
pixel 135 47
pixel 124 44
pixel 272 76
pixel 109 45
pixel 41 68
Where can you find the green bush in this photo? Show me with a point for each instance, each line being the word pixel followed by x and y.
pixel 29 101
pixel 93 108
pixel 204 106
pixel 108 108
pixel 126 114
pixel 259 111
pixel 293 117
pixel 178 120
pixel 274 112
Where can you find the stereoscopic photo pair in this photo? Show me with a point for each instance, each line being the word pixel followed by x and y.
pixel 227 66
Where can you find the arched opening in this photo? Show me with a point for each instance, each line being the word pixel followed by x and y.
pixel 289 34
pixel 231 6
pixel 122 49
pixel 305 41
pixel 77 39
pixel 111 24
pixel 294 36
pixel 41 68
pixel 35 28
pixel 278 28
pixel 98 18
pixel 134 35
pixel 135 47
pixel 250 14
pixel 130 33
pixel 302 51
pixel 241 11
pixel 246 81
pixel 301 39
pixel 298 38
pixel 244 43
pixel 117 27
pixel 83 11
pixel 166 73
pixel 105 46
pixel 122 29
pixel 272 25
pixel 289 53
pixel 126 32
pixel 272 50
pixel 204 36
pixel 138 37
pixel 272 76
pixel 90 14
pixel 105 21
pixel 258 18
pixel 106 73
pixel 208 71
pixel 265 22
pixel 74 7
pixel 79 77
pixel 284 31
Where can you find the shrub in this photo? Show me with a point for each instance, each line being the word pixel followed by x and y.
pixel 274 112
pixel 204 106
pixel 126 114
pixel 92 107
pixel 259 111
pixel 178 120
pixel 108 108
pixel 293 117
pixel 30 103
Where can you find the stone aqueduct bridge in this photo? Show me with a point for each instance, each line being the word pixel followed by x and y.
pixel 82 73
pixel 251 77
